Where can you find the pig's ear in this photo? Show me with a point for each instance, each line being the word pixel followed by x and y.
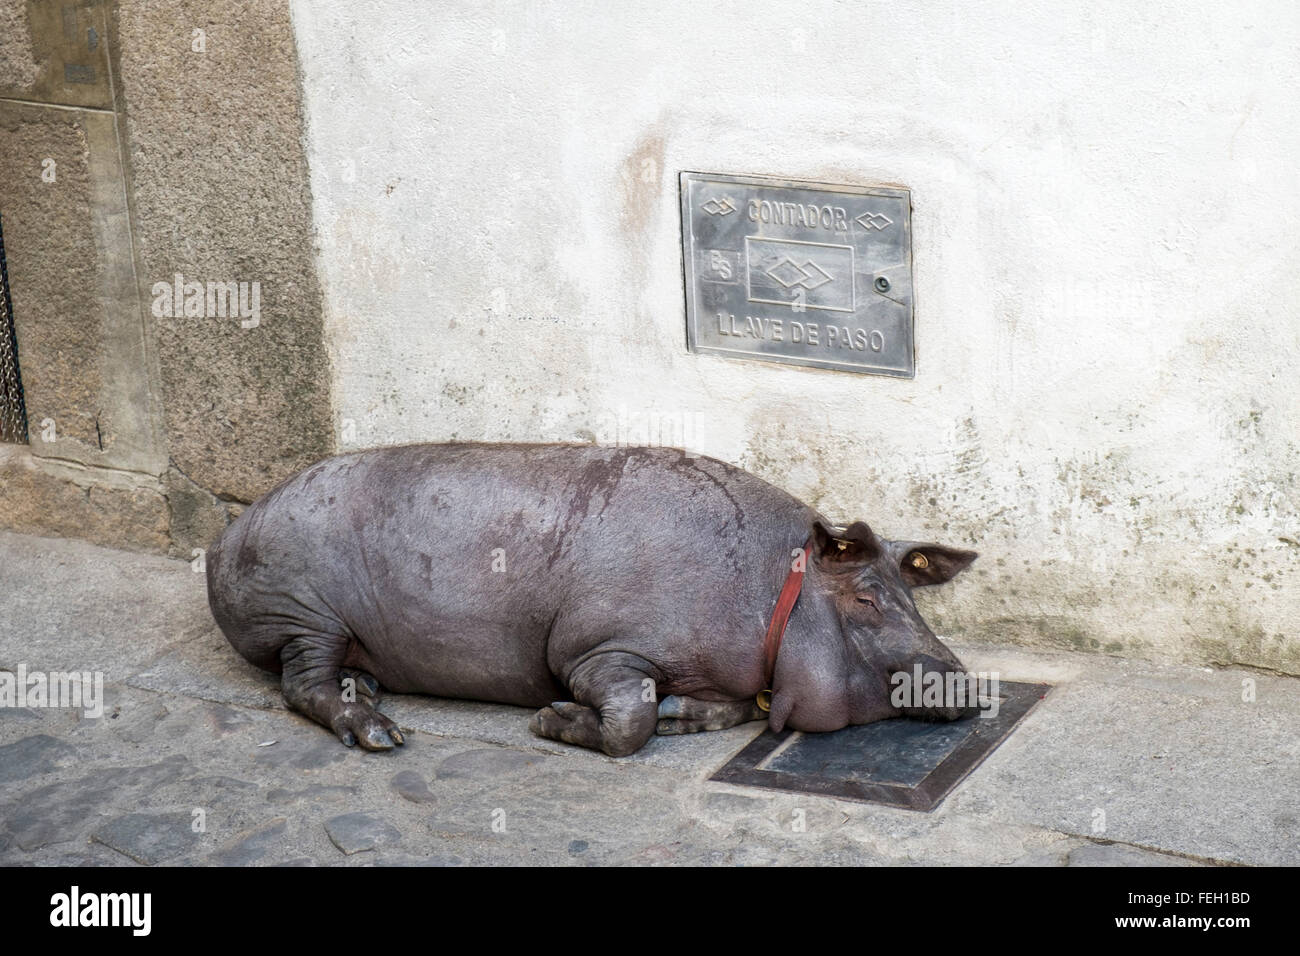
pixel 924 564
pixel 854 546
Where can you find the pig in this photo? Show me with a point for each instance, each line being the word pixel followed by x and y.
pixel 621 591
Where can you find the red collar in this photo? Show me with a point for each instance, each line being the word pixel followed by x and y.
pixel 781 614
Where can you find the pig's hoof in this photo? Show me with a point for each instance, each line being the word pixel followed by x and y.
pixel 567 721
pixel 672 706
pixel 670 726
pixel 361 724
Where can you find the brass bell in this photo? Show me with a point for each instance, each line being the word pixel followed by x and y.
pixel 919 560
pixel 764 700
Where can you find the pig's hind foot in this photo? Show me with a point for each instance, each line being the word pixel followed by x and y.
pixel 341 699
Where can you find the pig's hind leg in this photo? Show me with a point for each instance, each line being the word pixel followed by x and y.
pixel 689 715
pixel 312 682
pixel 615 710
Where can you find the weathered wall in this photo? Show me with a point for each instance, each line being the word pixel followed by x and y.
pixel 1106 240
pixel 96 449
pixel 220 194
pixel 173 130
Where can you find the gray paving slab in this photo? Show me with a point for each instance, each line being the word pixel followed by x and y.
pixel 1149 767
pixel 498 724
pixel 1219 684
pixel 357 832
pixel 149 838
pixel 208 667
pixel 1117 854
pixel 67 605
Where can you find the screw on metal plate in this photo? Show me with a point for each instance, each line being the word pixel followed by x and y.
pixel 882 284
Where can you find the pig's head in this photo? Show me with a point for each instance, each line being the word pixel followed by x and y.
pixel 865 628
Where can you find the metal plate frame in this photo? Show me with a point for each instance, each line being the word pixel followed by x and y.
pixel 802 273
pixel 1020 698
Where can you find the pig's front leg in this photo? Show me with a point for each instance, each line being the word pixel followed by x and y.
pixel 615 710
pixel 689 715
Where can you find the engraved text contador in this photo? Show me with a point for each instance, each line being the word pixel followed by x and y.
pixel 803 273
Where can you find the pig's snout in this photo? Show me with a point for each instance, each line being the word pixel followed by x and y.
pixel 932 688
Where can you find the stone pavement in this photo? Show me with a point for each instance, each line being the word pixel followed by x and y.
pixel 196 761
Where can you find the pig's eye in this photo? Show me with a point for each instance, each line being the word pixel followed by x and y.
pixel 867 602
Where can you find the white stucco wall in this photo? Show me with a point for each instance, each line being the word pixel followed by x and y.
pixel 1106 261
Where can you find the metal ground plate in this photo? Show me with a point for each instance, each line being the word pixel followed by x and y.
pixel 905 763
pixel 813 274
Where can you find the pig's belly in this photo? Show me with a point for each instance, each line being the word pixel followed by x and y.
pixel 502 664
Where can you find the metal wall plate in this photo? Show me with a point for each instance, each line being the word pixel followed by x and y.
pixel 905 763
pixel 808 274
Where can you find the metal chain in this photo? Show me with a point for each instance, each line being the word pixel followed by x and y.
pixel 13 411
